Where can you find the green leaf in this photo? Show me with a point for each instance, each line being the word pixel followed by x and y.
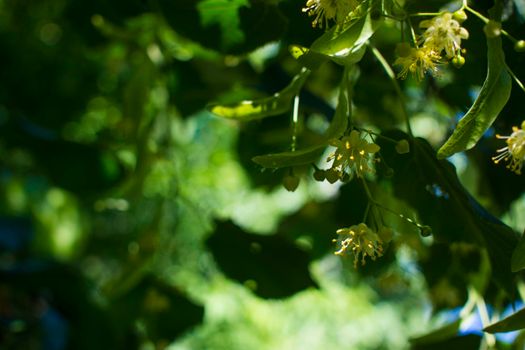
pixel 518 257
pixel 432 187
pixel 306 155
pixel 345 43
pixel 513 322
pixel 277 104
pixel 447 331
pixel 492 97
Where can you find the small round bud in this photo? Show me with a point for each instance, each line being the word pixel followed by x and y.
pixel 425 231
pixel 492 29
pixel 458 61
pixel 346 177
pixel 519 46
pixel 290 182
pixel 319 175
pixel 402 147
pixel 332 176
pixel 460 16
pixel 403 49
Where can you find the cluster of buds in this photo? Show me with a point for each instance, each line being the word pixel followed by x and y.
pixel 440 42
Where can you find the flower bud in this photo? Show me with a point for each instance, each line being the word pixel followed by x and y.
pixel 332 176
pixel 290 182
pixel 319 175
pixel 492 29
pixel 402 147
pixel 458 61
pixel 519 46
pixel 425 231
pixel 460 16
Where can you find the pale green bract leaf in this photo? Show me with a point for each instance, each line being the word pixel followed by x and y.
pixel 292 158
pixel 492 97
pixel 336 129
pixel 279 103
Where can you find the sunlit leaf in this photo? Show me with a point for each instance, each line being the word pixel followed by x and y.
pixel 345 43
pixel 492 97
pixel 512 323
pixel 309 59
pixel 279 103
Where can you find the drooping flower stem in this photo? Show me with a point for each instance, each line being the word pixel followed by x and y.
pixel 295 122
pixel 390 72
pixel 516 79
pixel 486 20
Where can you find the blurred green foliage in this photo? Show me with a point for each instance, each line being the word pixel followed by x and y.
pixel 132 217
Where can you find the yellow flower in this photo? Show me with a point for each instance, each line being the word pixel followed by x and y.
pixel 443 33
pixel 418 61
pixel 515 149
pixel 359 240
pixel 353 154
pixel 326 11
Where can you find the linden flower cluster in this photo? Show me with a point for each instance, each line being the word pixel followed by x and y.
pixel 441 39
pixel 326 11
pixel 444 33
pixel 359 240
pixel 417 61
pixel 353 155
pixel 515 149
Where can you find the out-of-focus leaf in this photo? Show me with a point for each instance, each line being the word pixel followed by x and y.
pixel 446 332
pixel 165 312
pixel 492 97
pixel 279 103
pixel 518 257
pixel 431 187
pixel 69 293
pixel 274 267
pixel 227 26
pixel 520 6
pixel 512 323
